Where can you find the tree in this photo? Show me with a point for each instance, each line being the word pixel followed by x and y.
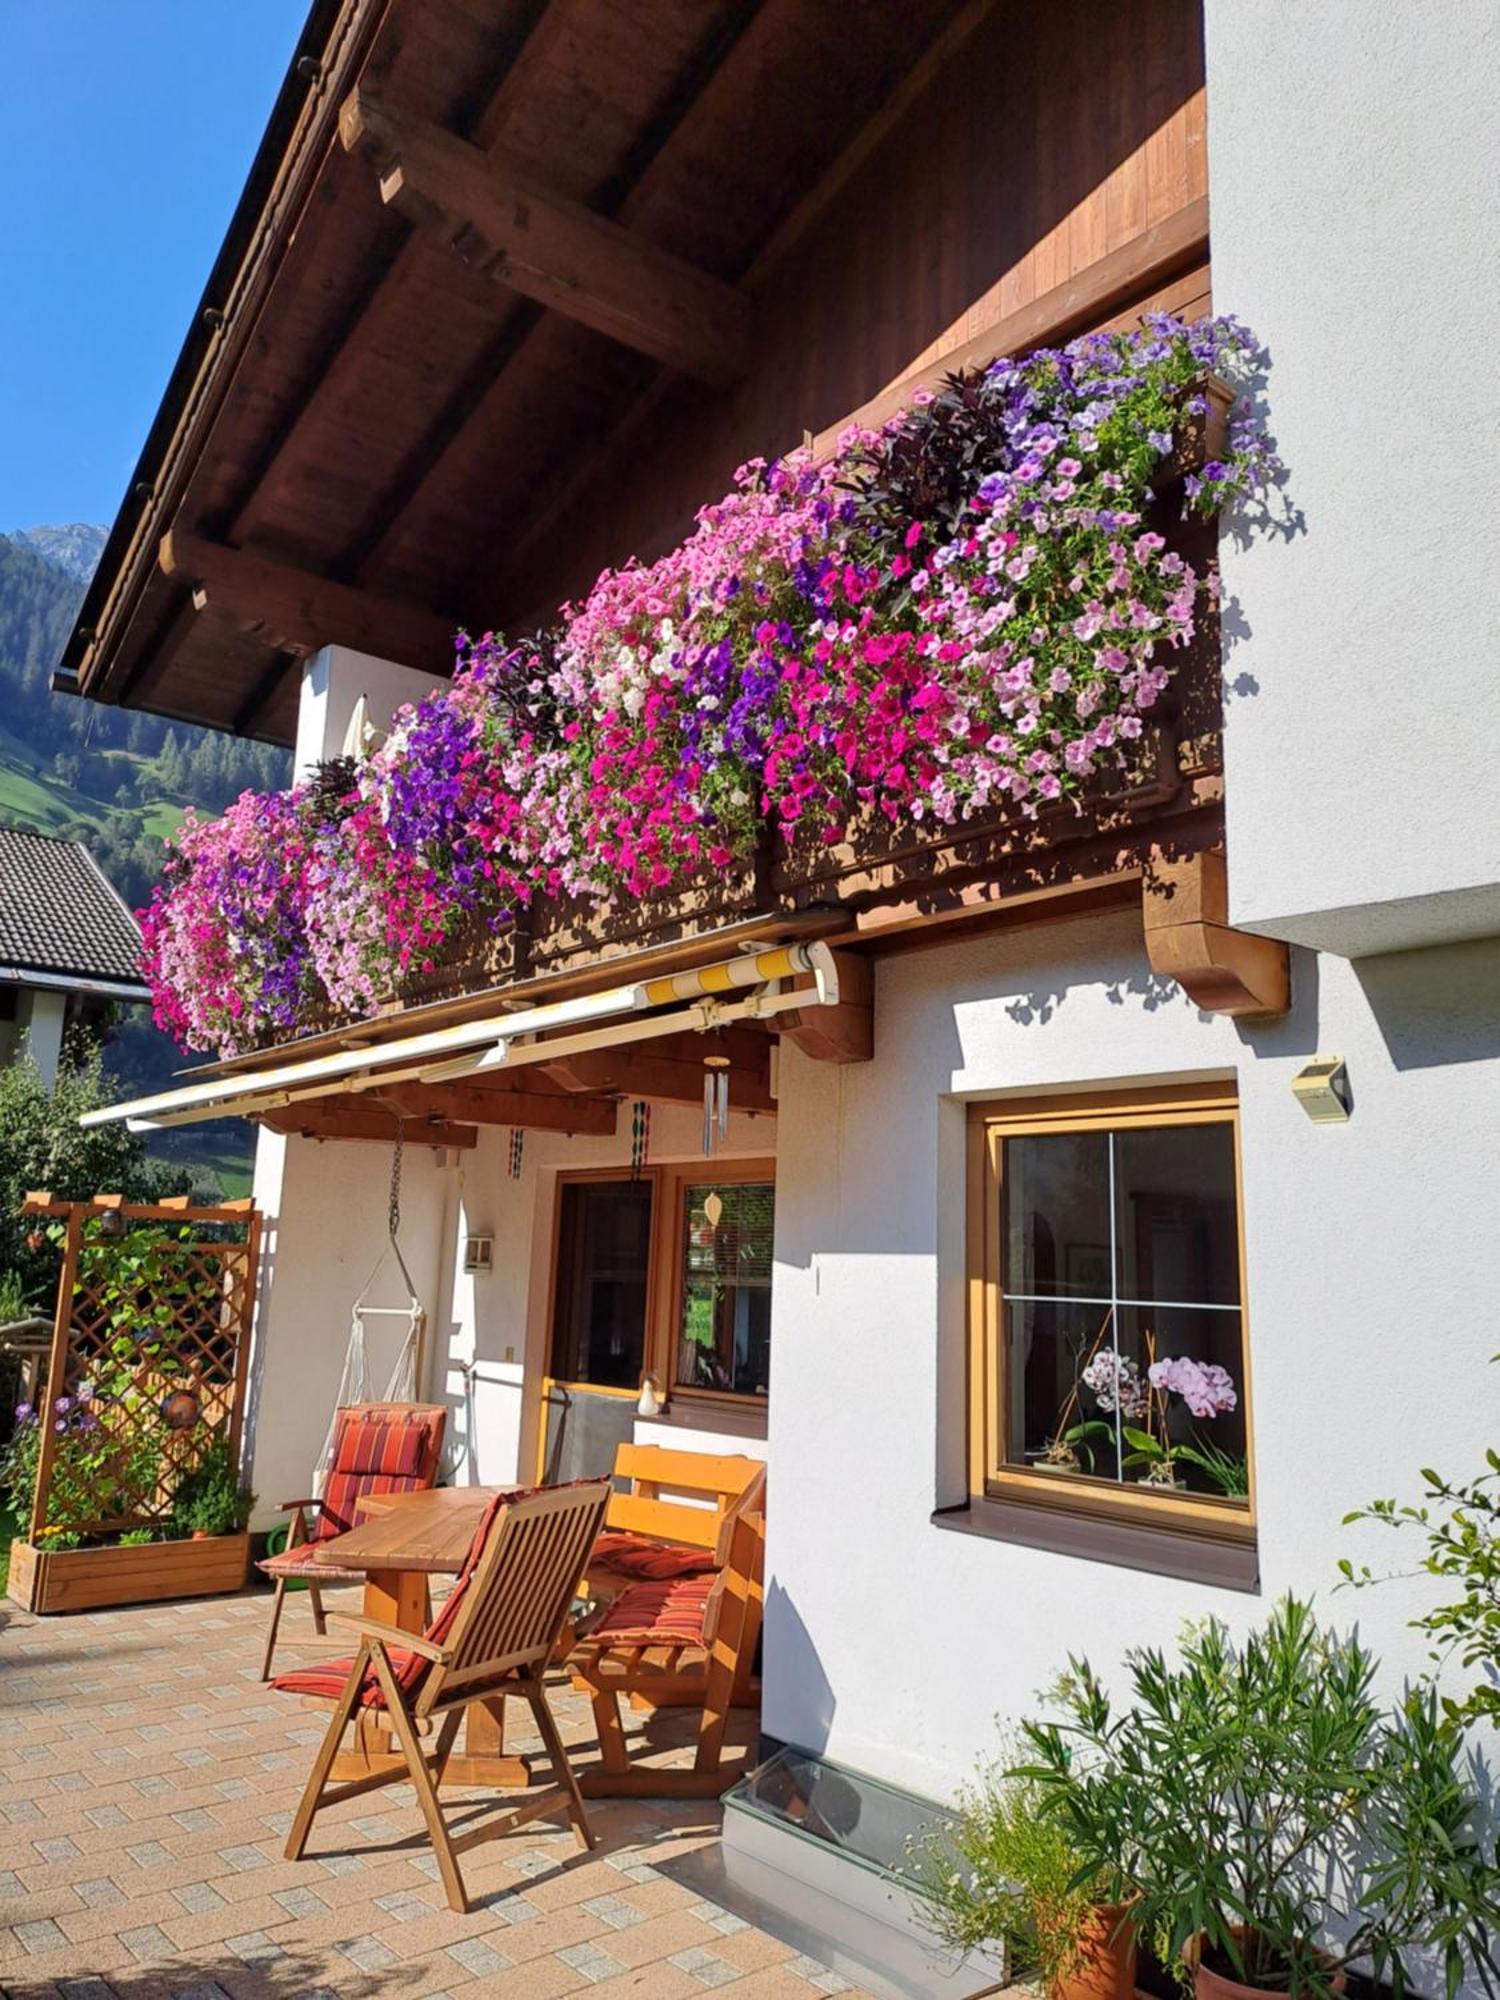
pixel 42 1146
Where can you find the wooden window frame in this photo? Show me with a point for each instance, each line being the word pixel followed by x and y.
pixel 1207 1517
pixel 664 1275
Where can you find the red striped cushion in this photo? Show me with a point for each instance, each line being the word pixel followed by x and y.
pixel 633 1555
pixel 668 1613
pixel 374 1454
pixel 326 1680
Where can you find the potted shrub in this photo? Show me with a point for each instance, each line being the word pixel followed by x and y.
pixel 1284 1827
pixel 1007 1873
pixel 210 1499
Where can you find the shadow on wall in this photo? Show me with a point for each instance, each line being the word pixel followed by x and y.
pixel 1436 1007
pixel 792 1661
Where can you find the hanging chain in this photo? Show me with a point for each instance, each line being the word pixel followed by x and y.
pixel 393 1211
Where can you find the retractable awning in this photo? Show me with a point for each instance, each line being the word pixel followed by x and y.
pixel 751 987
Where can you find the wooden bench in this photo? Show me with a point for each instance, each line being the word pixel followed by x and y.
pixel 680 1640
pixel 670 1520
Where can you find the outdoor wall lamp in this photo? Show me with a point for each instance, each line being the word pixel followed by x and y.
pixel 1322 1089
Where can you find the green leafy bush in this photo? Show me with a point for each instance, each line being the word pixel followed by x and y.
pixel 1265 1803
pixel 1461 1523
pixel 210 1500
pixel 1007 1874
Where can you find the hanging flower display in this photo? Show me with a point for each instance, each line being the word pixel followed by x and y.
pixel 970 610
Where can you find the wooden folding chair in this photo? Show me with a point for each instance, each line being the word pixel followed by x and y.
pixel 377 1448
pixel 492 1638
pixel 679 1640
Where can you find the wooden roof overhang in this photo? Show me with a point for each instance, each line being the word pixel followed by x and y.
pixel 514 285
pixel 536 213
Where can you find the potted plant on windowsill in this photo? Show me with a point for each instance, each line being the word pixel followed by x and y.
pixel 1284 1828
pixel 1006 1873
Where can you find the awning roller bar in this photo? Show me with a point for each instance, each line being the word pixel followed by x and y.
pixel 502 1041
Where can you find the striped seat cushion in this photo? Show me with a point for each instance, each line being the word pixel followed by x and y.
pixel 633 1555
pixel 676 1611
pixel 326 1680
pixel 302 1560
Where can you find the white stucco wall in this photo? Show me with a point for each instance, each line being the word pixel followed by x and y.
pixel 1372 1264
pixel 42 1021
pixel 1354 175
pixel 333 681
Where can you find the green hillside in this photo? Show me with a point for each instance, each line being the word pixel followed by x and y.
pixel 118 780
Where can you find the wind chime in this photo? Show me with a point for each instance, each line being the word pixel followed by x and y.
pixel 517 1150
pixel 640 1136
pixel 715 1103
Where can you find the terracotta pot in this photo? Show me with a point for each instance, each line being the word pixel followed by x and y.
pixel 1211 1985
pixel 201 1535
pixel 1105 1966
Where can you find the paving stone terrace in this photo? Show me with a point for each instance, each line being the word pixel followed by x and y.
pixel 147 1781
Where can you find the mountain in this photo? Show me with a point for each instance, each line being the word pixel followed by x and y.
pixel 114 778
pixel 75 548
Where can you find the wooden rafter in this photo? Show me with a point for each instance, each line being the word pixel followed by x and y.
pixel 504 221
pixel 539 1110
pixel 841 1034
pixel 348 1118
pixel 1189 938
pixel 643 1072
pixel 300 611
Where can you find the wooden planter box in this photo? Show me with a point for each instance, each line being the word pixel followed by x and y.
pixel 46 1580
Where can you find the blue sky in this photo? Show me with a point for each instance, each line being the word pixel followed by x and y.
pixel 127 128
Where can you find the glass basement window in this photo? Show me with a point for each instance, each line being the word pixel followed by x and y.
pixel 1110 1344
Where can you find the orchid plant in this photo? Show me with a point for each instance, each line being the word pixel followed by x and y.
pixel 971 610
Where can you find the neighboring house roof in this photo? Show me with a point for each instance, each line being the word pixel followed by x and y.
pixel 60 917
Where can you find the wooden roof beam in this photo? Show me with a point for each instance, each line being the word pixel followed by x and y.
pixel 641 1072
pixel 498 217
pixel 484 1104
pixel 301 611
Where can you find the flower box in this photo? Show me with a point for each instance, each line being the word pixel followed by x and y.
pixel 48 1580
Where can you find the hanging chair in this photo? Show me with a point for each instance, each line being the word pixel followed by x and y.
pixel 354 1385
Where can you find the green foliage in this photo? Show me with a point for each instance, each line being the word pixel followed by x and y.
pixel 1006 1874
pixel 14 1304
pixel 1461 1524
pixel 137 1538
pixel 1257 1794
pixel 210 1498
pixel 42 1146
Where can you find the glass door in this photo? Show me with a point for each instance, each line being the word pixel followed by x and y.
pixel 598 1339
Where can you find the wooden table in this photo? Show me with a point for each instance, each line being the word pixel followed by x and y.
pixel 404 1539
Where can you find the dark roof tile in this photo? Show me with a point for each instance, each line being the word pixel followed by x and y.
pixel 58 913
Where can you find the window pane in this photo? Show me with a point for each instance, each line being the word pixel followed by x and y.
pixel 604 1240
pixel 1078 1373
pixel 1052 1418
pixel 1175 1218
pixel 1077 1389
pixel 1056 1230
pixel 725 1338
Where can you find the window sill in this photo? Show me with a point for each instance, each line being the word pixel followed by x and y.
pixel 1197 1558
pixel 713 1414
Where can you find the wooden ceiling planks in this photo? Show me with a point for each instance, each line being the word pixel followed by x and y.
pixel 746 148
pixel 397 421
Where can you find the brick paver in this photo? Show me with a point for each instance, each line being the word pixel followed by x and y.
pixel 146 1786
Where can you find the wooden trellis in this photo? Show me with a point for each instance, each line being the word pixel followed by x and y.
pixel 151 1370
